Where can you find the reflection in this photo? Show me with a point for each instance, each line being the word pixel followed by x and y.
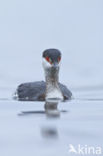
pixel 51 110
pixel 49 132
pixel 27 113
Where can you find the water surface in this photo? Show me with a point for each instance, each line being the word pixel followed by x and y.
pixel 27 129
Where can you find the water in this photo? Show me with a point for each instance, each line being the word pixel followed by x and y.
pixel 27 129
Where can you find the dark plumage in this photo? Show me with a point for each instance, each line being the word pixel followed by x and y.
pixel 51 89
pixel 35 91
pixel 54 54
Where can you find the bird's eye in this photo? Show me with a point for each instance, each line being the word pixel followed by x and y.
pixel 49 59
pixel 59 58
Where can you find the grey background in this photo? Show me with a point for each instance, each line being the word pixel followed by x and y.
pixel 29 27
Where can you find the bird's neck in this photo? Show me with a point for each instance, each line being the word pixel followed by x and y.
pixel 52 84
pixel 52 78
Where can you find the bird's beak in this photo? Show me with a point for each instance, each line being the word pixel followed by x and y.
pixel 55 65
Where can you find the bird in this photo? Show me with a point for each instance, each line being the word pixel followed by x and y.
pixel 49 89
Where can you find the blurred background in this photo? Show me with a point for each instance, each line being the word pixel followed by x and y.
pixel 27 28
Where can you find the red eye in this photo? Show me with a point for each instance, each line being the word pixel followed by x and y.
pixel 47 58
pixel 59 58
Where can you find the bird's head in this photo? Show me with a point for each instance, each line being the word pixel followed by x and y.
pixel 51 59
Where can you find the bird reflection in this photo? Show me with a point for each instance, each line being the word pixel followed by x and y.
pixel 49 132
pixel 50 110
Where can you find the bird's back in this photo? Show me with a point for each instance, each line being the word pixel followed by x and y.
pixel 35 91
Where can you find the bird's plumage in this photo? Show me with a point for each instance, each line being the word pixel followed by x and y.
pixel 51 89
pixel 35 91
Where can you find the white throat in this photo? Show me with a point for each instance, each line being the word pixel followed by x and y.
pixel 52 81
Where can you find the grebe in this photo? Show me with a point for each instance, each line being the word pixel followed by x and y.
pixel 51 89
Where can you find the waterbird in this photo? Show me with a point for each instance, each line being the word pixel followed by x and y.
pixel 51 88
